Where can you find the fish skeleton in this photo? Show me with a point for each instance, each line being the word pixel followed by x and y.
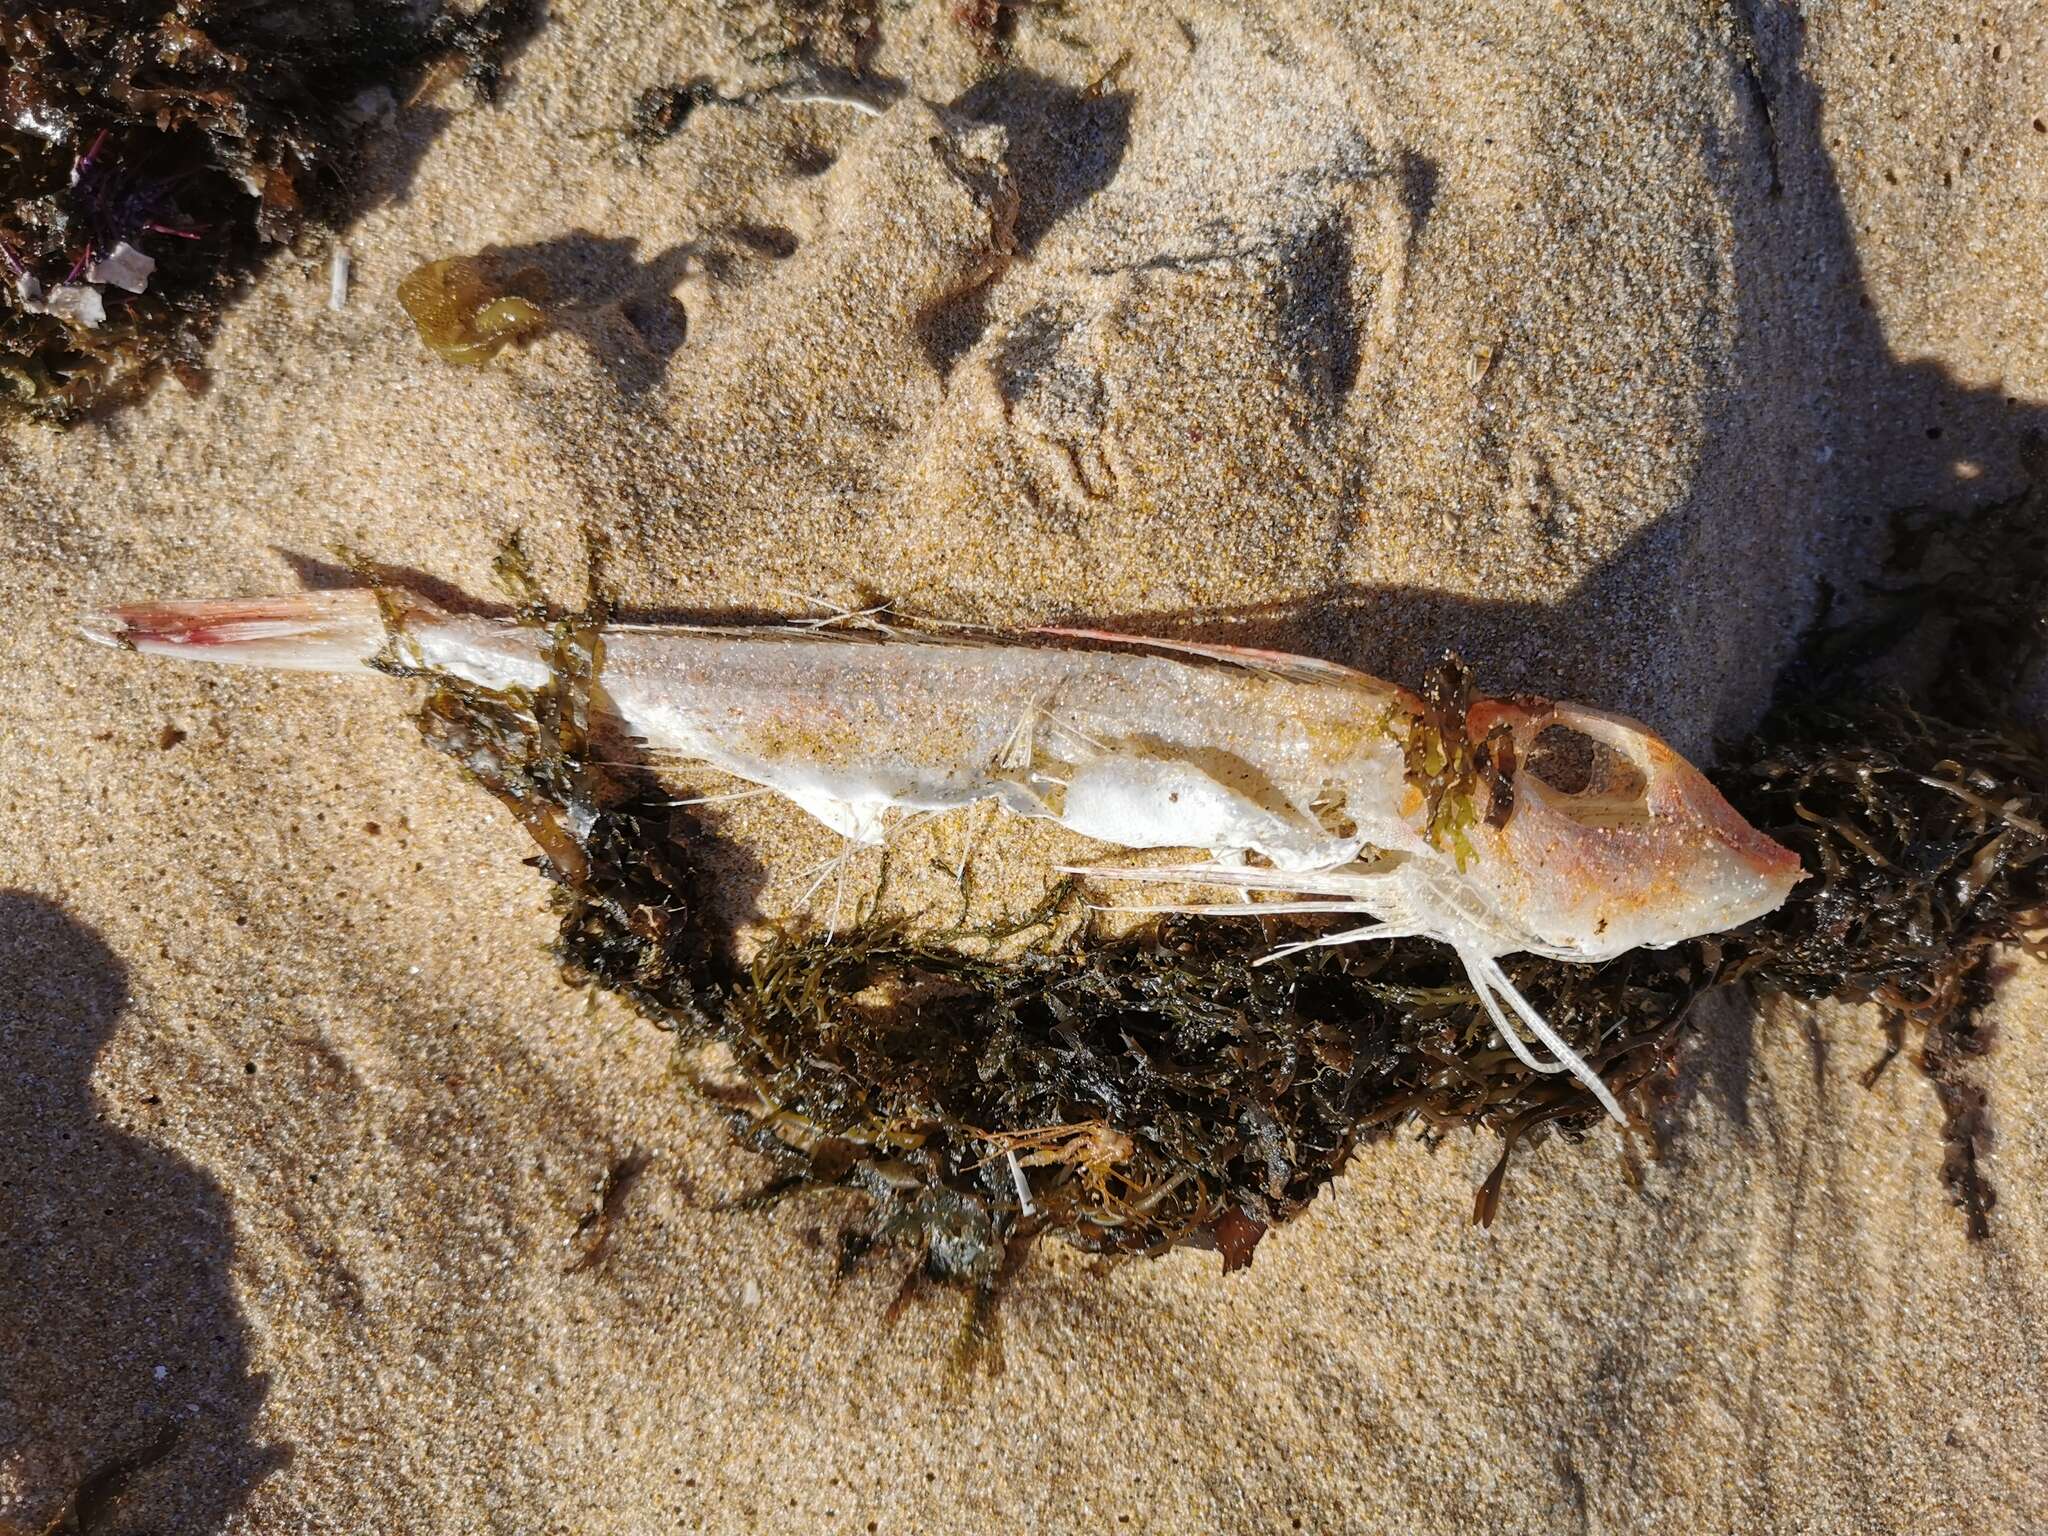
pixel 1293 775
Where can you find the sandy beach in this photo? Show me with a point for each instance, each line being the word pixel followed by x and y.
pixel 1589 342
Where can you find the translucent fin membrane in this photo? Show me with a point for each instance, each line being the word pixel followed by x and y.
pixel 307 632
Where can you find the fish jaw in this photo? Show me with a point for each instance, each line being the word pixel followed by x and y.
pixel 1591 879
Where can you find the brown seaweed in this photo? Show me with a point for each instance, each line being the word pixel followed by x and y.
pixel 1462 782
pixel 1923 825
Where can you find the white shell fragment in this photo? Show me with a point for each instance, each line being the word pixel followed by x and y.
pixel 123 267
pixel 45 122
pixel 338 261
pixel 78 304
pixel 74 303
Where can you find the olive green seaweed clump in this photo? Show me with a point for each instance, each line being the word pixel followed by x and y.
pixel 1135 1093
pixel 1462 782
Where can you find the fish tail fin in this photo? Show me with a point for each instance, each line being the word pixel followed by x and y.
pixel 303 632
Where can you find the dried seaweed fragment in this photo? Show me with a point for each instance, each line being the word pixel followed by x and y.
pixel 151 155
pixel 467 312
pixel 660 111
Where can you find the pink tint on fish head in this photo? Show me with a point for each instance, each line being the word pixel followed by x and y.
pixel 1646 852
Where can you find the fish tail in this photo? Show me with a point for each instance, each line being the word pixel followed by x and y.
pixel 303 632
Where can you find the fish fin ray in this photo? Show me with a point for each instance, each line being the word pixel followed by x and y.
pixel 1286 664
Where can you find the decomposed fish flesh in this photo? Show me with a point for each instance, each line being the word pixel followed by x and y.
pixel 1306 787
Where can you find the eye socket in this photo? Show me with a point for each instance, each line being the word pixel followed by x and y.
pixel 1591 782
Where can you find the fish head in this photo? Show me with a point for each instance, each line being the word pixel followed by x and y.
pixel 1613 841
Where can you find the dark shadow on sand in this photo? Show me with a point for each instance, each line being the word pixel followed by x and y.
pixel 421 109
pixel 126 1401
pixel 621 307
pixel 1901 432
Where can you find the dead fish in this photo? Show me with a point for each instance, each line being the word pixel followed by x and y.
pixel 1297 778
